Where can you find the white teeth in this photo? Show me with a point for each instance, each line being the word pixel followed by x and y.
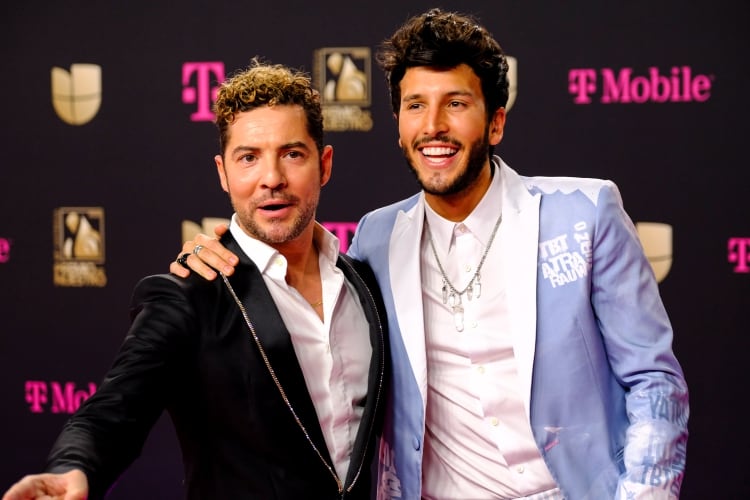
pixel 437 151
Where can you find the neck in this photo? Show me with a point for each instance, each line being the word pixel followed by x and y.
pixel 303 271
pixel 457 206
pixel 301 258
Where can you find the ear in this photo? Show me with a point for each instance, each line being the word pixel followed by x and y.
pixel 400 144
pixel 496 126
pixel 326 165
pixel 222 172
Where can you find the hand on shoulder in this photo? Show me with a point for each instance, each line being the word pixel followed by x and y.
pixel 205 255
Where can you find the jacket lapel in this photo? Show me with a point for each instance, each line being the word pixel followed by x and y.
pixel 519 264
pixel 406 285
pixel 268 334
pixel 361 277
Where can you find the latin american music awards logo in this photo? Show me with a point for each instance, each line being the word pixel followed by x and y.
pixel 78 235
pixel 344 78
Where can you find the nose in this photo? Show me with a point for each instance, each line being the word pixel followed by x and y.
pixel 273 175
pixel 435 122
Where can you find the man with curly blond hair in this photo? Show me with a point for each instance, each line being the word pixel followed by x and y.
pixel 273 377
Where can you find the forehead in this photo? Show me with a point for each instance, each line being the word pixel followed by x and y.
pixel 269 126
pixel 422 80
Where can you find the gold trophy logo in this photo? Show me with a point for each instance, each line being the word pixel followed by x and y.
pixel 79 247
pixel 343 76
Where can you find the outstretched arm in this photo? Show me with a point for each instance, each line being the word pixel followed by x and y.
pixel 71 485
pixel 205 255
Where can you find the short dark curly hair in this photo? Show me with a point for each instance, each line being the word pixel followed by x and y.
pixel 263 84
pixel 445 40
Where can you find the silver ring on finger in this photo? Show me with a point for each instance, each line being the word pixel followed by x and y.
pixel 197 249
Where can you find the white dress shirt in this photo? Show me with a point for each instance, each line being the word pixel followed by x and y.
pixel 335 353
pixel 478 441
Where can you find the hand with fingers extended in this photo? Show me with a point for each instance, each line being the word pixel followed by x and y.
pixel 71 485
pixel 205 255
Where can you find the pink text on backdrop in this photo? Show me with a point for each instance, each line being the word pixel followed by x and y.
pixel 680 85
pixel 343 231
pixel 4 250
pixel 57 397
pixel 739 254
pixel 202 94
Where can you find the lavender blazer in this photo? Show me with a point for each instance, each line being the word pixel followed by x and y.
pixel 605 397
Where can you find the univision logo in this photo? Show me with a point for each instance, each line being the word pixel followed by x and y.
pixel 622 86
pixel 656 239
pixel 77 94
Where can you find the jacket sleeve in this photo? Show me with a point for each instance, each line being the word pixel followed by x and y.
pixel 108 431
pixel 638 339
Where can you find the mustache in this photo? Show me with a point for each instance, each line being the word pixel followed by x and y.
pixel 276 197
pixel 446 139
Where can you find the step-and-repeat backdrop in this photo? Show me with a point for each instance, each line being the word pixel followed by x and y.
pixel 107 147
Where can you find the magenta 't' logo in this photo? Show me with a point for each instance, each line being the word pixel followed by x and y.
pixel 57 396
pixel 4 250
pixel 343 231
pixel 680 85
pixel 202 94
pixel 739 254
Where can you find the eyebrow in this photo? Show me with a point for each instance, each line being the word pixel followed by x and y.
pixel 453 93
pixel 295 144
pixel 283 147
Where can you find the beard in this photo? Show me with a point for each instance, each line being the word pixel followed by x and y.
pixel 478 155
pixel 276 231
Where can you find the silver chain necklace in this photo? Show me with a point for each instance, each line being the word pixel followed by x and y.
pixel 451 296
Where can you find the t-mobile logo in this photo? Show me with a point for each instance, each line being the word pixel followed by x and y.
pixel 680 85
pixel 202 93
pixel 58 397
pixel 739 254
pixel 343 231
pixel 4 250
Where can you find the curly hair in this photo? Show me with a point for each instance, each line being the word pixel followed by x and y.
pixel 264 84
pixel 445 40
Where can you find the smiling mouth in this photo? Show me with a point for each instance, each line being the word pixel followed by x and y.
pixel 438 151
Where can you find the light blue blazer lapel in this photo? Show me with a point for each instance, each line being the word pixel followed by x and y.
pixel 520 229
pixel 406 285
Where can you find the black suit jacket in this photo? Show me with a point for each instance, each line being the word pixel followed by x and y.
pixel 229 378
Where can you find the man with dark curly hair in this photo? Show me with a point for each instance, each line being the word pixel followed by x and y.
pixel 531 352
pixel 273 377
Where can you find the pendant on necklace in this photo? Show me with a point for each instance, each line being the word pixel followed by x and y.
pixel 454 302
pixel 473 290
pixel 458 317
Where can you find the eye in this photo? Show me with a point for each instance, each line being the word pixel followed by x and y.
pixel 411 105
pixel 456 104
pixel 295 155
pixel 247 158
